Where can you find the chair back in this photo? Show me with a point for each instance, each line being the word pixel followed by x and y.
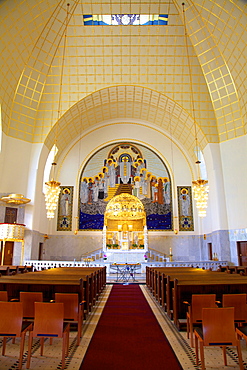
pixel 238 301
pixel 11 314
pixel 3 296
pixel 71 304
pixel 200 301
pixel 28 299
pixel 48 319
pixel 218 326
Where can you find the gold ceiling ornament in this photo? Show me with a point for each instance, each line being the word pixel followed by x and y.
pixel 199 187
pixel 52 187
pixel 125 207
pixel 15 199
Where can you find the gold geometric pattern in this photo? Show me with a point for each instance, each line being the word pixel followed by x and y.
pixel 132 72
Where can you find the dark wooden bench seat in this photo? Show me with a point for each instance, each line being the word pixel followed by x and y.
pixel 172 286
pixel 86 282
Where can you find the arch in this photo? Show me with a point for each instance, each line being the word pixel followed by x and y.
pixel 113 105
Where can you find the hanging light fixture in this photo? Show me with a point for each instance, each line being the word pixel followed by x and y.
pixel 199 187
pixel 52 191
pixel 52 187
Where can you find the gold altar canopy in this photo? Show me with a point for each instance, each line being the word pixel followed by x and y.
pixel 125 219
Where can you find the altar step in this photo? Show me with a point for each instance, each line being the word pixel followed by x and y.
pixel 118 189
pixel 111 192
pixel 124 188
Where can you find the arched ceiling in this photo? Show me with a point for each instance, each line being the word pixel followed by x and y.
pixel 126 72
pixel 130 104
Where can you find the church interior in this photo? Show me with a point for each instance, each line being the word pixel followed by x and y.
pixel 123 138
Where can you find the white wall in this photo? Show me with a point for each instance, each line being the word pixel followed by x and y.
pixel 14 164
pixel 234 165
pixel 216 218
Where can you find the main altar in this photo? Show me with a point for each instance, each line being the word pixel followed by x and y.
pixel 125 232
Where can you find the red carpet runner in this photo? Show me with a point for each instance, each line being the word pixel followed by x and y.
pixel 128 336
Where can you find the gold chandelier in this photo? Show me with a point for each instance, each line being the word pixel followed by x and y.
pixel 52 187
pixel 15 199
pixel 52 191
pixel 200 187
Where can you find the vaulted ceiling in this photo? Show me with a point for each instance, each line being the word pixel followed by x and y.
pixel 151 74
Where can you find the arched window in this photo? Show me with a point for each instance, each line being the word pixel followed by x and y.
pixel 203 170
pixel 48 165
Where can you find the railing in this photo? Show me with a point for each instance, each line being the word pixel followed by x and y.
pixel 40 265
pixel 213 265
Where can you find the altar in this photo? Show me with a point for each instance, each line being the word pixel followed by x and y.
pixel 125 227
pixel 121 256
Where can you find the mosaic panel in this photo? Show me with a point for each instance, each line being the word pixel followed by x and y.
pixel 185 211
pixel 65 204
pixel 125 168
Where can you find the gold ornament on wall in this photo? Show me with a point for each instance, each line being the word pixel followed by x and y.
pixel 15 199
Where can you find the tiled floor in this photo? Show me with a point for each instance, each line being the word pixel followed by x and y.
pixel 180 344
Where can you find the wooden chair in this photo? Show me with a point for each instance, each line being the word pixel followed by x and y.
pixel 12 325
pixel 49 323
pixel 3 296
pixel 238 301
pixel 194 314
pixel 242 332
pixel 73 310
pixel 28 299
pixel 218 329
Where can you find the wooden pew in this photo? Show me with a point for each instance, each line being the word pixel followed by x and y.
pixel 97 279
pixel 197 275
pixel 4 270
pixel 156 280
pixel 7 270
pixel 161 284
pixel 184 288
pixel 51 281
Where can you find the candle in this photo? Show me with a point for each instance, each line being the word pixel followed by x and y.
pixel 170 251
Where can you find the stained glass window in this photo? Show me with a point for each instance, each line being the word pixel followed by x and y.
pixel 125 19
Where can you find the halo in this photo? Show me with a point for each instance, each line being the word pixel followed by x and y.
pixel 63 192
pixel 136 178
pixel 184 191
